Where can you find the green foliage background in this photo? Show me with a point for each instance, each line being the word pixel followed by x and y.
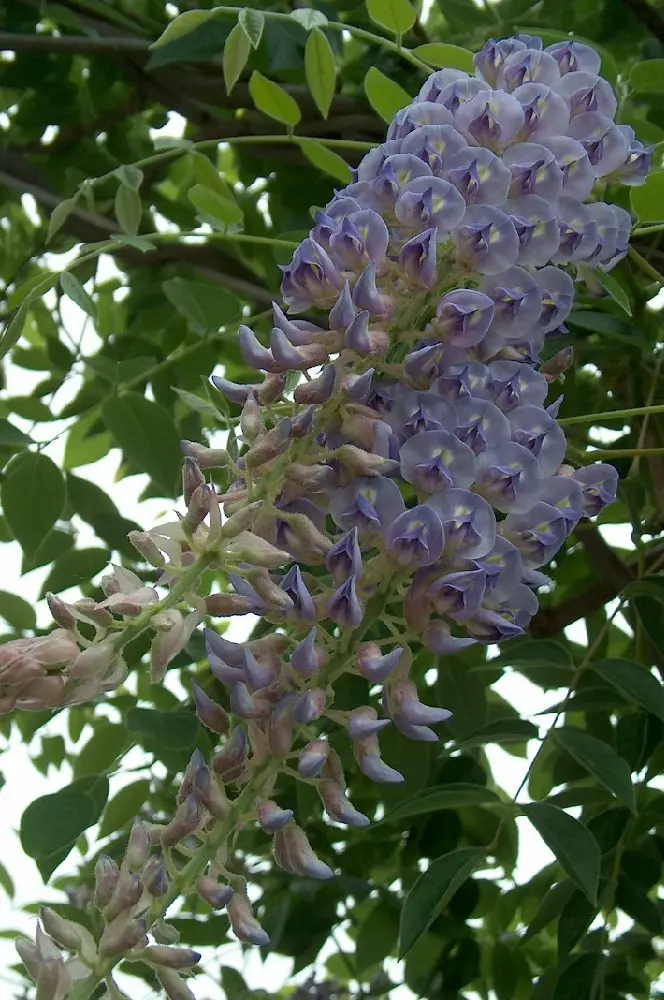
pixel 82 93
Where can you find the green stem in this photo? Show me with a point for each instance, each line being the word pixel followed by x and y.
pixel 592 456
pixel 224 237
pixel 591 418
pixel 239 140
pixel 646 266
pixel 647 230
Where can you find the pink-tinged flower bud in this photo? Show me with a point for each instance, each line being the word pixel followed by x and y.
pixel 164 933
pixel 271 388
pixel 128 890
pixel 374 665
pixel 211 714
pixel 88 610
pixel 146 547
pixel 122 935
pixel 170 958
pixel 174 985
pixel 53 980
pixel 61 612
pixel 49 650
pixel 155 876
pixel 243 922
pixel 206 458
pixel 211 795
pixel 230 762
pixel 367 755
pixel 364 722
pixel 338 807
pixel 280 726
pixel 227 605
pixel 319 390
pixel 358 462
pixel 271 817
pixel 198 508
pixel 310 706
pixel 216 894
pixel 251 420
pixel 188 783
pixel 308 657
pixel 192 478
pixel 138 846
pixel 249 548
pixel 292 852
pixel 312 759
pixel 107 874
pixel 167 644
pixel 187 819
pixel 247 705
pixel 241 520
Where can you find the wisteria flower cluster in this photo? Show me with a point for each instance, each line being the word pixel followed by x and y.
pixel 401 458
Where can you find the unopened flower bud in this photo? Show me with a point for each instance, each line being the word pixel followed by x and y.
pixel 310 706
pixel 128 890
pixel 205 458
pixel 170 958
pixel 230 762
pixel 243 922
pixel 192 478
pixel 249 548
pixel 122 935
pixel 29 955
pixel 308 657
pixel 146 547
pixel 68 933
pixel 96 660
pixel 164 933
pixel 267 589
pixel 211 795
pixel 107 874
pixel 53 980
pixel 209 712
pixel 61 612
pixel 227 605
pixel 155 876
pixel 271 817
pixel 292 852
pixel 313 758
pixel 216 894
pixel 174 985
pixel 251 421
pixel 241 520
pixel 186 821
pixel 138 846
pixel 558 364
pixel 374 665
pixel 364 722
pixel 198 508
pixel 338 807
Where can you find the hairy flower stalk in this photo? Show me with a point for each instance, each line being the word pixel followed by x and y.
pixel 400 460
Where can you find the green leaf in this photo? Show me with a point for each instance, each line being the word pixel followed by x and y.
pixel 84 447
pixel 396 16
pixel 326 160
pixel 252 22
pixel 579 979
pixel 207 306
pixel 504 973
pixel 181 26
pixel 647 199
pixel 174 730
pixel 128 209
pixel 309 18
pixel 635 681
pixel 197 403
pixel 74 569
pixel 444 56
pixel 647 598
pixel 99 754
pixel 12 333
pixel 54 545
pixel 451 796
pixel 236 54
pixel 74 290
pixel 12 437
pixel 17 612
pixel 384 95
pixel 600 760
pixel 148 438
pixel 572 844
pixel 53 822
pixel 648 77
pixel 432 892
pixel 124 806
pixel 33 496
pixel 320 70
pixel 377 936
pixel 6 881
pixel 273 100
pixel 575 918
pixel 214 206
pixel 502 731
pixel 60 214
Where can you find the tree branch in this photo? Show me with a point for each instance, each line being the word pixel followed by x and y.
pixel 71 44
